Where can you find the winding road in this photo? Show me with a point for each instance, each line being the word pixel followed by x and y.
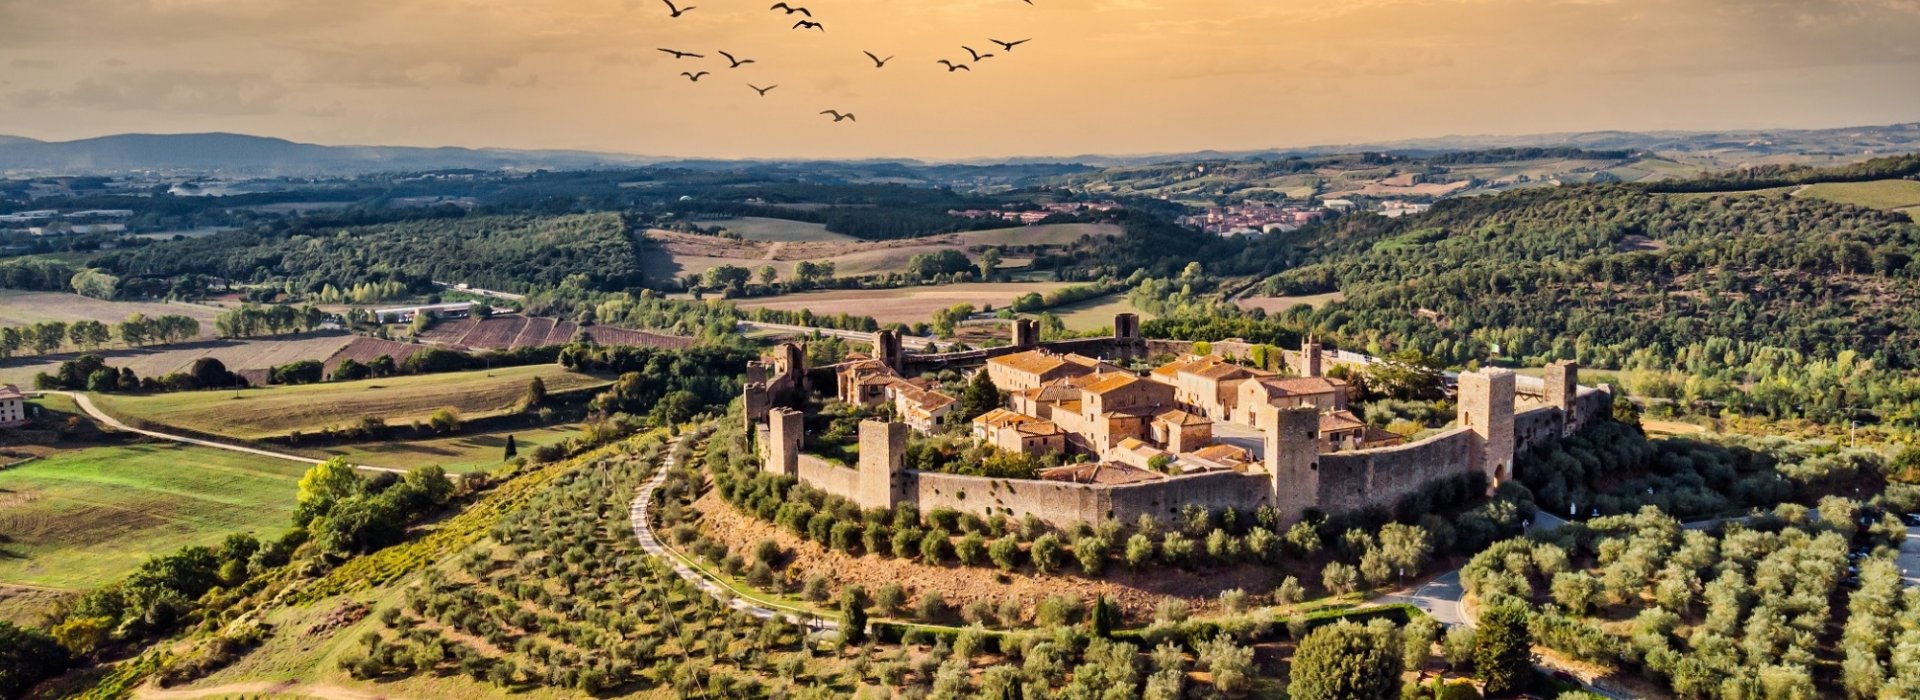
pixel 86 404
pixel 641 511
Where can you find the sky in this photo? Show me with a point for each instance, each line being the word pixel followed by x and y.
pixel 1099 76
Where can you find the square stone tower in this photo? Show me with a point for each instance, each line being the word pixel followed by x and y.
pixel 1293 458
pixel 1311 358
pixel 887 349
pixel 786 434
pixel 883 465
pixel 1563 391
pixel 1486 408
pixel 1126 327
pixel 1026 332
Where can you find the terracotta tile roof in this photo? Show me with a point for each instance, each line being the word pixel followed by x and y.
pixel 1182 418
pixel 1222 452
pixel 1301 386
pixel 1340 420
pixel 1177 366
pixel 1221 371
pixel 1376 436
pixel 10 392
pixel 1101 473
pixel 999 417
pixel 1111 382
pixel 1033 362
pixel 1038 428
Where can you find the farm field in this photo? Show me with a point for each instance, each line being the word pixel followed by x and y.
pixel 907 305
pixel 237 355
pixel 19 308
pixel 694 254
pixel 83 517
pixel 457 453
pixel 533 331
pixel 253 414
pixel 1279 304
pixel 1880 194
pixel 755 228
pixel 1097 313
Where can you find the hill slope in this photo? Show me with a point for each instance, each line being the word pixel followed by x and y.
pixel 236 154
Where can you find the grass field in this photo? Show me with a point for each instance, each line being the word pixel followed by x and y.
pixel 1279 304
pixel 905 305
pixel 694 254
pixel 1097 313
pixel 259 353
pixel 1881 194
pixel 253 414
pixel 754 228
pixel 22 308
pixel 84 517
pixel 458 453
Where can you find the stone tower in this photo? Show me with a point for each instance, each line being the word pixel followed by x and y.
pixel 1293 458
pixel 883 465
pixel 786 433
pixel 1026 332
pixel 1563 391
pixel 887 349
pixel 1311 358
pixel 1486 408
pixel 1126 327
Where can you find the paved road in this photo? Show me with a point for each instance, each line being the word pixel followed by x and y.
pixel 1909 559
pixel 643 531
pixel 906 341
pixel 1440 598
pixel 86 404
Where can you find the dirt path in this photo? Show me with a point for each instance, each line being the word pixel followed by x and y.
pixel 325 692
pixel 643 530
pixel 86 404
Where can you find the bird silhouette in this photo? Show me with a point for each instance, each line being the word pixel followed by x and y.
pixel 1008 45
pixel 951 66
pixel 681 54
pixel 762 90
pixel 838 117
pixel 677 11
pixel 791 9
pixel 977 56
pixel 695 77
pixel 736 62
pixel 809 24
pixel 878 62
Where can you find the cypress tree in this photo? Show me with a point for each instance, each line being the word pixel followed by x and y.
pixel 513 450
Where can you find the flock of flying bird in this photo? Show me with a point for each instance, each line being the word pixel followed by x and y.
pixel 807 23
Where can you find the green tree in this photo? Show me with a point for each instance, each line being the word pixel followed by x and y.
pixel 1503 649
pixel 1346 661
pixel 28 656
pixel 513 449
pixel 853 617
pixel 324 485
pixel 1104 618
pixel 980 397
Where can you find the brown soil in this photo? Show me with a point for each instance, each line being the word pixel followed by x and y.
pixel 1135 592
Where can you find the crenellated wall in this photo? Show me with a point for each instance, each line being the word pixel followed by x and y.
pixel 1360 479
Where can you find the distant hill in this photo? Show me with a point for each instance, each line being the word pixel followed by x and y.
pixel 5 140
pixel 241 155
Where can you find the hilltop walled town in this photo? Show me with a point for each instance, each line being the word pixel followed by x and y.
pixel 1199 429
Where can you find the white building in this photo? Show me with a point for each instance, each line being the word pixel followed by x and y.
pixel 13 406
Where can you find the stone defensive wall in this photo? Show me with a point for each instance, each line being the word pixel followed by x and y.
pixel 1501 414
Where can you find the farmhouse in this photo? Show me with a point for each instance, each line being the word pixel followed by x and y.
pixel 13 406
pixel 1150 454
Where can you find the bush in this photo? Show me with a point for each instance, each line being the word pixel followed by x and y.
pixel 1346 660
pixel 1005 553
pixel 1092 553
pixel 1046 553
pixel 970 548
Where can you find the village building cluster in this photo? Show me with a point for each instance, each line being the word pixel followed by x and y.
pixel 1253 218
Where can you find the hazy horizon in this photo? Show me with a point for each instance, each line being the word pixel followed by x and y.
pixel 1105 77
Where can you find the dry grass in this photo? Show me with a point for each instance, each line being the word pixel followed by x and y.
pixel 1280 304
pixel 754 228
pixel 260 353
pixel 907 305
pixel 1094 314
pixel 694 254
pixel 22 308
pixel 253 414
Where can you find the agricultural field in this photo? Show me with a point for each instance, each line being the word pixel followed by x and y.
pixel 1279 304
pixel 694 254
pixel 515 331
pixel 1880 194
pixel 906 305
pixel 19 308
pixel 1097 313
pixel 467 452
pixel 83 517
pixel 237 355
pixel 259 413
pixel 755 228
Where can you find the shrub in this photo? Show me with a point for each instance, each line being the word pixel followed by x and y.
pixel 931 607
pixel 970 548
pixel 1092 553
pixel 1005 553
pixel 1046 553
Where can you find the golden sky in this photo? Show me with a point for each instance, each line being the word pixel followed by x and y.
pixel 1101 76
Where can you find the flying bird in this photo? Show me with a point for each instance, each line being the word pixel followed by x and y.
pixel 681 54
pixel 878 62
pixel 736 62
pixel 951 66
pixel 677 11
pixel 791 9
pixel 1008 45
pixel 838 117
pixel 695 77
pixel 977 56
pixel 762 90
pixel 809 24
